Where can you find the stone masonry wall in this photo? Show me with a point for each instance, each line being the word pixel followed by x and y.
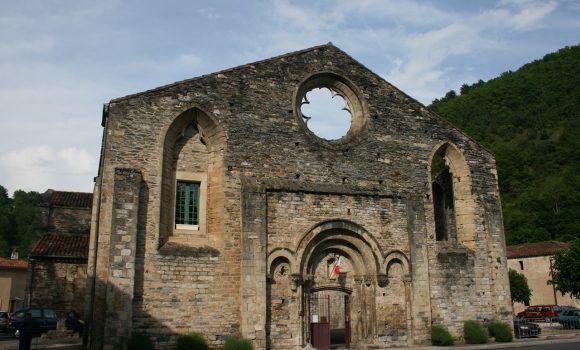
pixel 379 178
pixel 70 220
pixel 120 283
pixel 384 217
pixel 59 285
pixel 62 220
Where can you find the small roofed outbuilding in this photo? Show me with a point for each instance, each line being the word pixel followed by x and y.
pixel 58 258
pixel 534 260
pixel 13 274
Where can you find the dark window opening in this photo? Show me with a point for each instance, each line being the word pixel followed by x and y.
pixel 443 200
pixel 441 227
pixel 521 264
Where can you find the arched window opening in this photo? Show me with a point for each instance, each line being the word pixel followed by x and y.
pixel 453 204
pixel 442 184
pixel 188 181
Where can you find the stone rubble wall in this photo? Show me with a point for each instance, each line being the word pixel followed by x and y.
pixel 219 287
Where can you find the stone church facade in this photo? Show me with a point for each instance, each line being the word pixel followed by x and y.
pixel 218 210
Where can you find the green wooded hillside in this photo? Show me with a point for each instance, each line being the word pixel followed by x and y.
pixel 530 119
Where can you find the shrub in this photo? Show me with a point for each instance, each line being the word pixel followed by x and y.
pixel 501 331
pixel 474 333
pixel 440 336
pixel 192 341
pixel 237 343
pixel 140 341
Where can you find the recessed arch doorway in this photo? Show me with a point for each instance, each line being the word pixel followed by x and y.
pixel 338 263
pixel 336 275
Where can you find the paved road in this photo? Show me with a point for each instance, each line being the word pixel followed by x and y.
pixel 8 342
pixel 566 342
pixel 560 346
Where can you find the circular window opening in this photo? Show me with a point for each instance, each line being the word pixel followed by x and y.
pixel 331 108
pixel 326 113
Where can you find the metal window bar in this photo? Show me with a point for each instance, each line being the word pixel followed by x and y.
pixel 187 203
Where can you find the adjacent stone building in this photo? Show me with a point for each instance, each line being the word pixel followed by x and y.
pixel 58 259
pixel 534 260
pixel 217 209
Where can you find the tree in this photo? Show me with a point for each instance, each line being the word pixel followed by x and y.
pixel 16 220
pixel 6 221
pixel 24 204
pixel 520 291
pixel 566 270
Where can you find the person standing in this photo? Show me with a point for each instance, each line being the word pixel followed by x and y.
pixel 28 329
pixel 74 323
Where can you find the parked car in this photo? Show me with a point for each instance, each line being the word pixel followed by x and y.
pixel 546 313
pixel 570 318
pixel 4 321
pixel 523 328
pixel 46 319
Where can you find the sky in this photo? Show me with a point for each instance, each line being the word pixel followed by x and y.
pixel 62 60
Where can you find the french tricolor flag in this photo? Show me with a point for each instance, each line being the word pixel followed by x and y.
pixel 337 265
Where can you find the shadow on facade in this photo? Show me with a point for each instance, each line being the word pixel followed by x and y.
pixel 119 304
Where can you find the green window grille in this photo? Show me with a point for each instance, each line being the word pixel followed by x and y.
pixel 187 203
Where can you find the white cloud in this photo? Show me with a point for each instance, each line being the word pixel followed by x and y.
pixel 530 16
pixel 308 19
pixel 189 60
pixel 43 167
pixel 521 15
pixel 421 70
pixel 412 12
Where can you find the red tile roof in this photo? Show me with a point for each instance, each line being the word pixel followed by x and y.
pixel 72 199
pixel 13 263
pixel 535 249
pixel 61 246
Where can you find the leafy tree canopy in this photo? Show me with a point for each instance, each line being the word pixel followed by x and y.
pixel 520 290
pixel 16 221
pixel 566 270
pixel 530 119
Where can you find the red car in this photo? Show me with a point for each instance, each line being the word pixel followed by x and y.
pixel 546 313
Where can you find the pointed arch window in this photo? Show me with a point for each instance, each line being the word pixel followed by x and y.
pixel 453 203
pixel 189 180
pixel 443 202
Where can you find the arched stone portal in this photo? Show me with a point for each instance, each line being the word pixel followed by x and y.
pixel 336 276
pixel 340 265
